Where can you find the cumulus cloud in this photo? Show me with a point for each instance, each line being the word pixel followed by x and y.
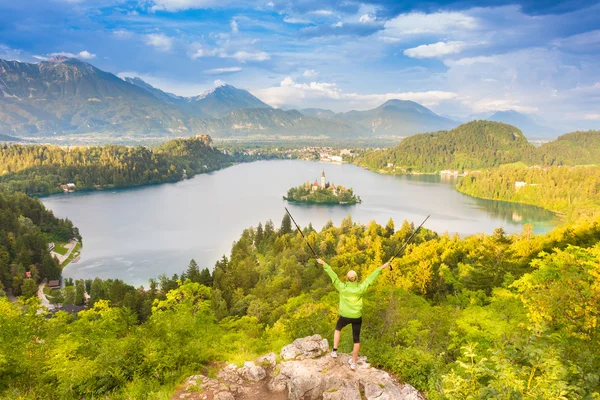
pixel 178 5
pixel 85 55
pixel 581 42
pixel 197 53
pixel 438 49
pixel 159 41
pixel 322 12
pixel 327 94
pixel 122 34
pixel 435 23
pixel 309 73
pixel 294 20
pixel 227 70
pixel 340 29
pixel 234 26
pixel 244 56
pixel 367 18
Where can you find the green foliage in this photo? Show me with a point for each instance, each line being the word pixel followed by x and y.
pixel 41 169
pixel 572 191
pixel 477 144
pixel 26 227
pixel 486 316
pixel 576 148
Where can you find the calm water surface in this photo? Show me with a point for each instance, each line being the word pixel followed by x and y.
pixel 137 234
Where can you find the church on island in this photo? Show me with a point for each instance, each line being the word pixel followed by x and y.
pixel 324 185
pixel 323 192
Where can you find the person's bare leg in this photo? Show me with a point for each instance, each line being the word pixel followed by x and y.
pixel 336 338
pixel 355 352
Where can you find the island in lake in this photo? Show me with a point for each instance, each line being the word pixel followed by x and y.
pixel 324 193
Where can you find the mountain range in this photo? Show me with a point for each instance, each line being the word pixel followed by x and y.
pixel 65 96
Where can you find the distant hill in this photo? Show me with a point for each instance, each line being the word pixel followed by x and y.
pixel 275 121
pixel 318 113
pixel 223 99
pixel 526 124
pixel 6 138
pixel 477 144
pixel 397 117
pixel 576 148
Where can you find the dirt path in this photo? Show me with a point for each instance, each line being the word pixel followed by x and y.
pixel 42 296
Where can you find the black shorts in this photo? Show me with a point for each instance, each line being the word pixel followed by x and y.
pixel 356 324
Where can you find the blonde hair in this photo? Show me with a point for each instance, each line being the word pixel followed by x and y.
pixel 351 276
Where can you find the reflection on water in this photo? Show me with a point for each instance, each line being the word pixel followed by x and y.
pixel 136 234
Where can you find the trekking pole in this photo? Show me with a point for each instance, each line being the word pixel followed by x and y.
pixel 300 230
pixel 407 242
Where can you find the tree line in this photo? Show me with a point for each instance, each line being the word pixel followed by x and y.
pixel 42 169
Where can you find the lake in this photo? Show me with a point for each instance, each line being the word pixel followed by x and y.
pixel 137 234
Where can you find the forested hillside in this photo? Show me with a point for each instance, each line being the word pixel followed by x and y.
pixel 572 191
pixel 41 169
pixel 26 227
pixel 481 317
pixel 576 148
pixel 480 145
pixel 477 144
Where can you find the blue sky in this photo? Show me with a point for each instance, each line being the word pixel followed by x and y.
pixel 458 58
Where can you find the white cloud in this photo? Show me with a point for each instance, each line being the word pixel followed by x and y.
pixel 322 12
pixel 468 61
pixel 178 5
pixel 592 117
pixel 438 49
pixel 197 54
pixel 270 4
pixel 367 18
pixel 293 20
pixel 324 93
pixel 234 26
pixel 493 104
pixel 122 33
pixel 244 56
pixel 388 39
pixel 582 41
pixel 338 24
pixel 436 23
pixel 85 55
pixel 310 73
pixel 223 70
pixel 160 41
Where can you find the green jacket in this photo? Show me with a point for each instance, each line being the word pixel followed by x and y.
pixel 351 293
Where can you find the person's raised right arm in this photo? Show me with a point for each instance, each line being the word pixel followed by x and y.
pixel 334 278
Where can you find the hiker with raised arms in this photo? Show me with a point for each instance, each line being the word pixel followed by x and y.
pixel 351 303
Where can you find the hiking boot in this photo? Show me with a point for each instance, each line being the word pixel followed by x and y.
pixel 334 354
pixel 352 365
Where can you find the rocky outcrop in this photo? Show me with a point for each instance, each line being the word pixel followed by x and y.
pixel 306 372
